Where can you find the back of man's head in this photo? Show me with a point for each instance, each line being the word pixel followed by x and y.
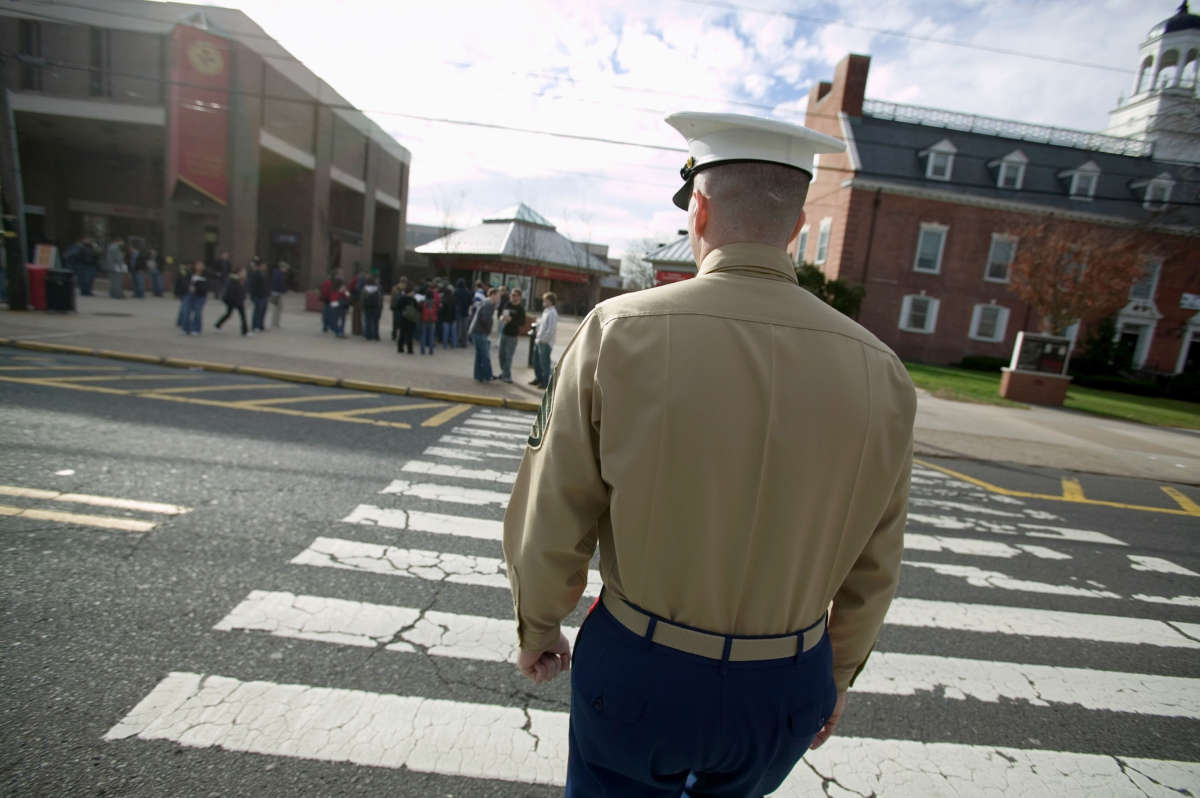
pixel 752 202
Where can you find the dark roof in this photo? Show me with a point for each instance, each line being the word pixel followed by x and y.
pixel 1183 20
pixel 890 152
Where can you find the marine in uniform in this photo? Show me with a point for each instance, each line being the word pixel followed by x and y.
pixel 740 454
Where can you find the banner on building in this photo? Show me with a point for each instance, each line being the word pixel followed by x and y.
pixel 663 276
pixel 199 113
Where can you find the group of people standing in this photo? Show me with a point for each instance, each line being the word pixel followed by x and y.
pixel 86 256
pixel 233 287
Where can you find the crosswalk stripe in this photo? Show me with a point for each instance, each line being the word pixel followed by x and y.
pixel 458 472
pixel 101 521
pixel 481 443
pixel 1158 565
pixel 444 634
pixel 479 432
pixel 446 493
pixel 433 523
pixel 96 501
pixel 517 430
pixel 461 454
pixel 914 541
pixel 1022 621
pixel 978 577
pixel 436 566
pixel 513 744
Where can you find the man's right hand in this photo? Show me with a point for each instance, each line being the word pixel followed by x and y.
pixel 827 730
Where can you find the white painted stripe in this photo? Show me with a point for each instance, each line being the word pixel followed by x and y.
pixel 458 472
pixel 444 634
pixel 1192 630
pixel 358 623
pixel 941 504
pixel 1064 533
pixel 435 566
pixel 971 547
pixel 517 429
pixel 507 437
pixel 977 577
pixel 481 443
pixel 512 416
pixel 459 454
pixel 433 523
pixel 446 493
pixel 486 741
pixel 1158 565
pixel 1039 685
pixel 100 521
pixel 960 524
pixel 394 731
pixel 1042 552
pixel 1178 601
pixel 992 619
pixel 96 501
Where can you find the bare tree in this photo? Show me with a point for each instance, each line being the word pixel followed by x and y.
pixel 636 271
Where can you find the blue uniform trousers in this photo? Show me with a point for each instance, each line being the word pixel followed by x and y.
pixel 648 721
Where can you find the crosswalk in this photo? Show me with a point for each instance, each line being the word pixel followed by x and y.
pixel 1005 611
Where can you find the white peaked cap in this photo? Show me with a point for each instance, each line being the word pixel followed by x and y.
pixel 726 138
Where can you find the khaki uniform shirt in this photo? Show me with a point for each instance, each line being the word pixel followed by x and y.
pixel 739 450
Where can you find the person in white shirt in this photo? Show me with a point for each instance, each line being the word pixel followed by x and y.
pixel 547 329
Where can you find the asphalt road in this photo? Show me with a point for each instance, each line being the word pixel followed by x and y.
pixel 325 549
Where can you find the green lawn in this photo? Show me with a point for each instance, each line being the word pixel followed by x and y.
pixel 963 385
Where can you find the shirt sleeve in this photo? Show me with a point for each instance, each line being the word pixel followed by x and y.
pixel 558 497
pixel 862 601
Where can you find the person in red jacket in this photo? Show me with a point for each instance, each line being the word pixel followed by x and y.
pixel 429 318
pixel 328 322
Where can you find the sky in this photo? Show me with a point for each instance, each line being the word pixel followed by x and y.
pixel 613 70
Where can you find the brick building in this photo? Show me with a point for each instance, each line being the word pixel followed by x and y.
pixel 919 208
pixel 188 128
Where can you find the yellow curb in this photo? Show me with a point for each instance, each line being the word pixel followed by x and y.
pixel 197 364
pixel 373 387
pixel 521 404
pixel 153 360
pixel 6 342
pixel 464 398
pixel 286 376
pixel 41 346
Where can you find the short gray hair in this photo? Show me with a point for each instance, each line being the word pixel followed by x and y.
pixel 762 201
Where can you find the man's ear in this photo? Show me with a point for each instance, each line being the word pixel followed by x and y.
pixel 796 229
pixel 701 213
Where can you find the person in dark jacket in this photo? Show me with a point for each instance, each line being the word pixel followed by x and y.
pixel 234 298
pixel 256 285
pixel 513 318
pixel 372 308
pixel 278 289
pixel 221 269
pixel 447 313
pixel 180 281
pixel 141 273
pixel 409 314
pixel 193 301
pixel 463 299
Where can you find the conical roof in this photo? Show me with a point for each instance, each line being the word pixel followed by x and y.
pixel 519 213
pixel 1183 20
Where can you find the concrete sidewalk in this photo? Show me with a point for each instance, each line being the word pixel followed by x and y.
pixel 1050 437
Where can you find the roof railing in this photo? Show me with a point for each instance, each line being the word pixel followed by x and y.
pixel 1007 128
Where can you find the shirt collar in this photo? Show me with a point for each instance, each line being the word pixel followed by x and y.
pixel 760 260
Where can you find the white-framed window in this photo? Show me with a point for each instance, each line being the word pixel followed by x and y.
pixel 823 240
pixel 1000 258
pixel 1084 180
pixel 802 244
pixel 918 313
pixel 1158 194
pixel 930 243
pixel 939 160
pixel 989 323
pixel 1143 290
pixel 1010 170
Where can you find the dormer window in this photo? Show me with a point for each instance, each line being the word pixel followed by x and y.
pixel 939 160
pixel 1084 180
pixel 1010 170
pixel 1156 192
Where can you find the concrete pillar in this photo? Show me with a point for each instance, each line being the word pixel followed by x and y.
pixel 318 239
pixel 239 221
pixel 14 202
pixel 371 179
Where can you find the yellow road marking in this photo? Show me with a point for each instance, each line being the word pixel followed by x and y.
pixel 262 386
pixel 1072 490
pixel 129 377
pixel 1189 506
pixel 445 415
pixel 51 383
pixel 99 501
pixel 285 411
pixel 102 521
pixel 1045 496
pixel 287 400
pixel 366 411
pixel 49 367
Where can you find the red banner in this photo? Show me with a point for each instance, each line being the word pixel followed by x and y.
pixel 662 276
pixel 200 113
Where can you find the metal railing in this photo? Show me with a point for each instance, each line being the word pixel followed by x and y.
pixel 1007 128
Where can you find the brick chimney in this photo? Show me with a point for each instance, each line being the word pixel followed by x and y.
pixel 845 94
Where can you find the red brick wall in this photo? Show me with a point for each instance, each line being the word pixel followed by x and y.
pixel 1179 275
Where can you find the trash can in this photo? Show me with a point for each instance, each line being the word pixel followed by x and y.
pixel 60 290
pixel 37 285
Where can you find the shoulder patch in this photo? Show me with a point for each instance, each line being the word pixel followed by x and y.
pixel 538 431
